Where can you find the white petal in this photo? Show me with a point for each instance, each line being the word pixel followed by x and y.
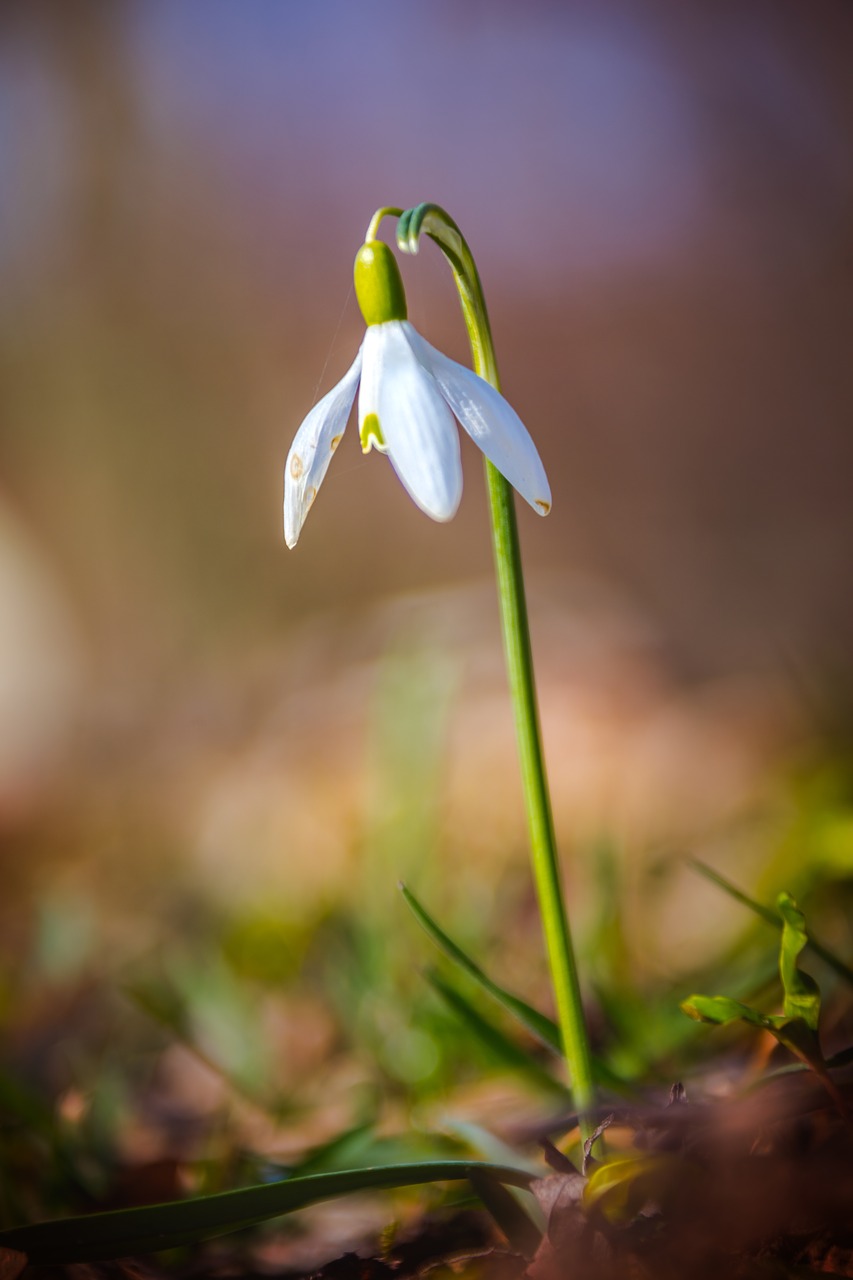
pixel 368 394
pixel 492 424
pixel 312 449
pixel 419 432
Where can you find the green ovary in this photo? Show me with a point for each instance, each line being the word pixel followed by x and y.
pixel 378 284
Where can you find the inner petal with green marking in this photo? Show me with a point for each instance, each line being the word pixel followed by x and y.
pixel 370 435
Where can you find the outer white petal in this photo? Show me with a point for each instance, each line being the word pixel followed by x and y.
pixel 312 449
pixel 418 428
pixel 492 424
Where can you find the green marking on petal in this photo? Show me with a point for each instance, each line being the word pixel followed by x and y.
pixel 370 435
pixel 378 284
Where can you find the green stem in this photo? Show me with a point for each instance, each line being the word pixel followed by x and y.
pixel 516 637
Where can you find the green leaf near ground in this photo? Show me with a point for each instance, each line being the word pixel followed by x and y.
pixel 802 994
pixel 796 1027
pixel 121 1233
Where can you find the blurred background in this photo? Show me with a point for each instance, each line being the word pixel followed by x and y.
pixel 218 757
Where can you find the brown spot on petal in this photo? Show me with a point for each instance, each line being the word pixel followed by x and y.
pixel 296 467
pixel 310 495
pixel 336 440
pixel 542 506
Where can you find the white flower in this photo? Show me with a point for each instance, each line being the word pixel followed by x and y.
pixel 410 394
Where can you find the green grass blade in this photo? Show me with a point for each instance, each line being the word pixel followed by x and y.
pixel 766 913
pixel 521 1232
pixel 772 918
pixel 494 1039
pixel 326 1155
pixel 485 1145
pixel 166 1006
pixel 123 1232
pixel 541 1026
pixel 482 1144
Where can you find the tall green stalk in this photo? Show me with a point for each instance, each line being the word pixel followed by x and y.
pixel 431 220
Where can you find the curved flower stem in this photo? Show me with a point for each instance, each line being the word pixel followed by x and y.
pixel 387 211
pixel 432 220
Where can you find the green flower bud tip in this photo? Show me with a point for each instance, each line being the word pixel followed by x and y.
pixel 378 284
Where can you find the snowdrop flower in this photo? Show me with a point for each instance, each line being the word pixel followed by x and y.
pixel 409 396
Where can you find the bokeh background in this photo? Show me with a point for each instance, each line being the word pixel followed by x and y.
pixel 217 757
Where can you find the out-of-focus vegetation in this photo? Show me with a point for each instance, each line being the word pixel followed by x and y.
pixel 216 759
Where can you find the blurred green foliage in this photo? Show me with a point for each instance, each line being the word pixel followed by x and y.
pixel 342 1039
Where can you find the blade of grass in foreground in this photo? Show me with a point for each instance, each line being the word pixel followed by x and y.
pixel 767 913
pixel 123 1232
pixel 538 1024
pixel 494 1039
pixel 544 1028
